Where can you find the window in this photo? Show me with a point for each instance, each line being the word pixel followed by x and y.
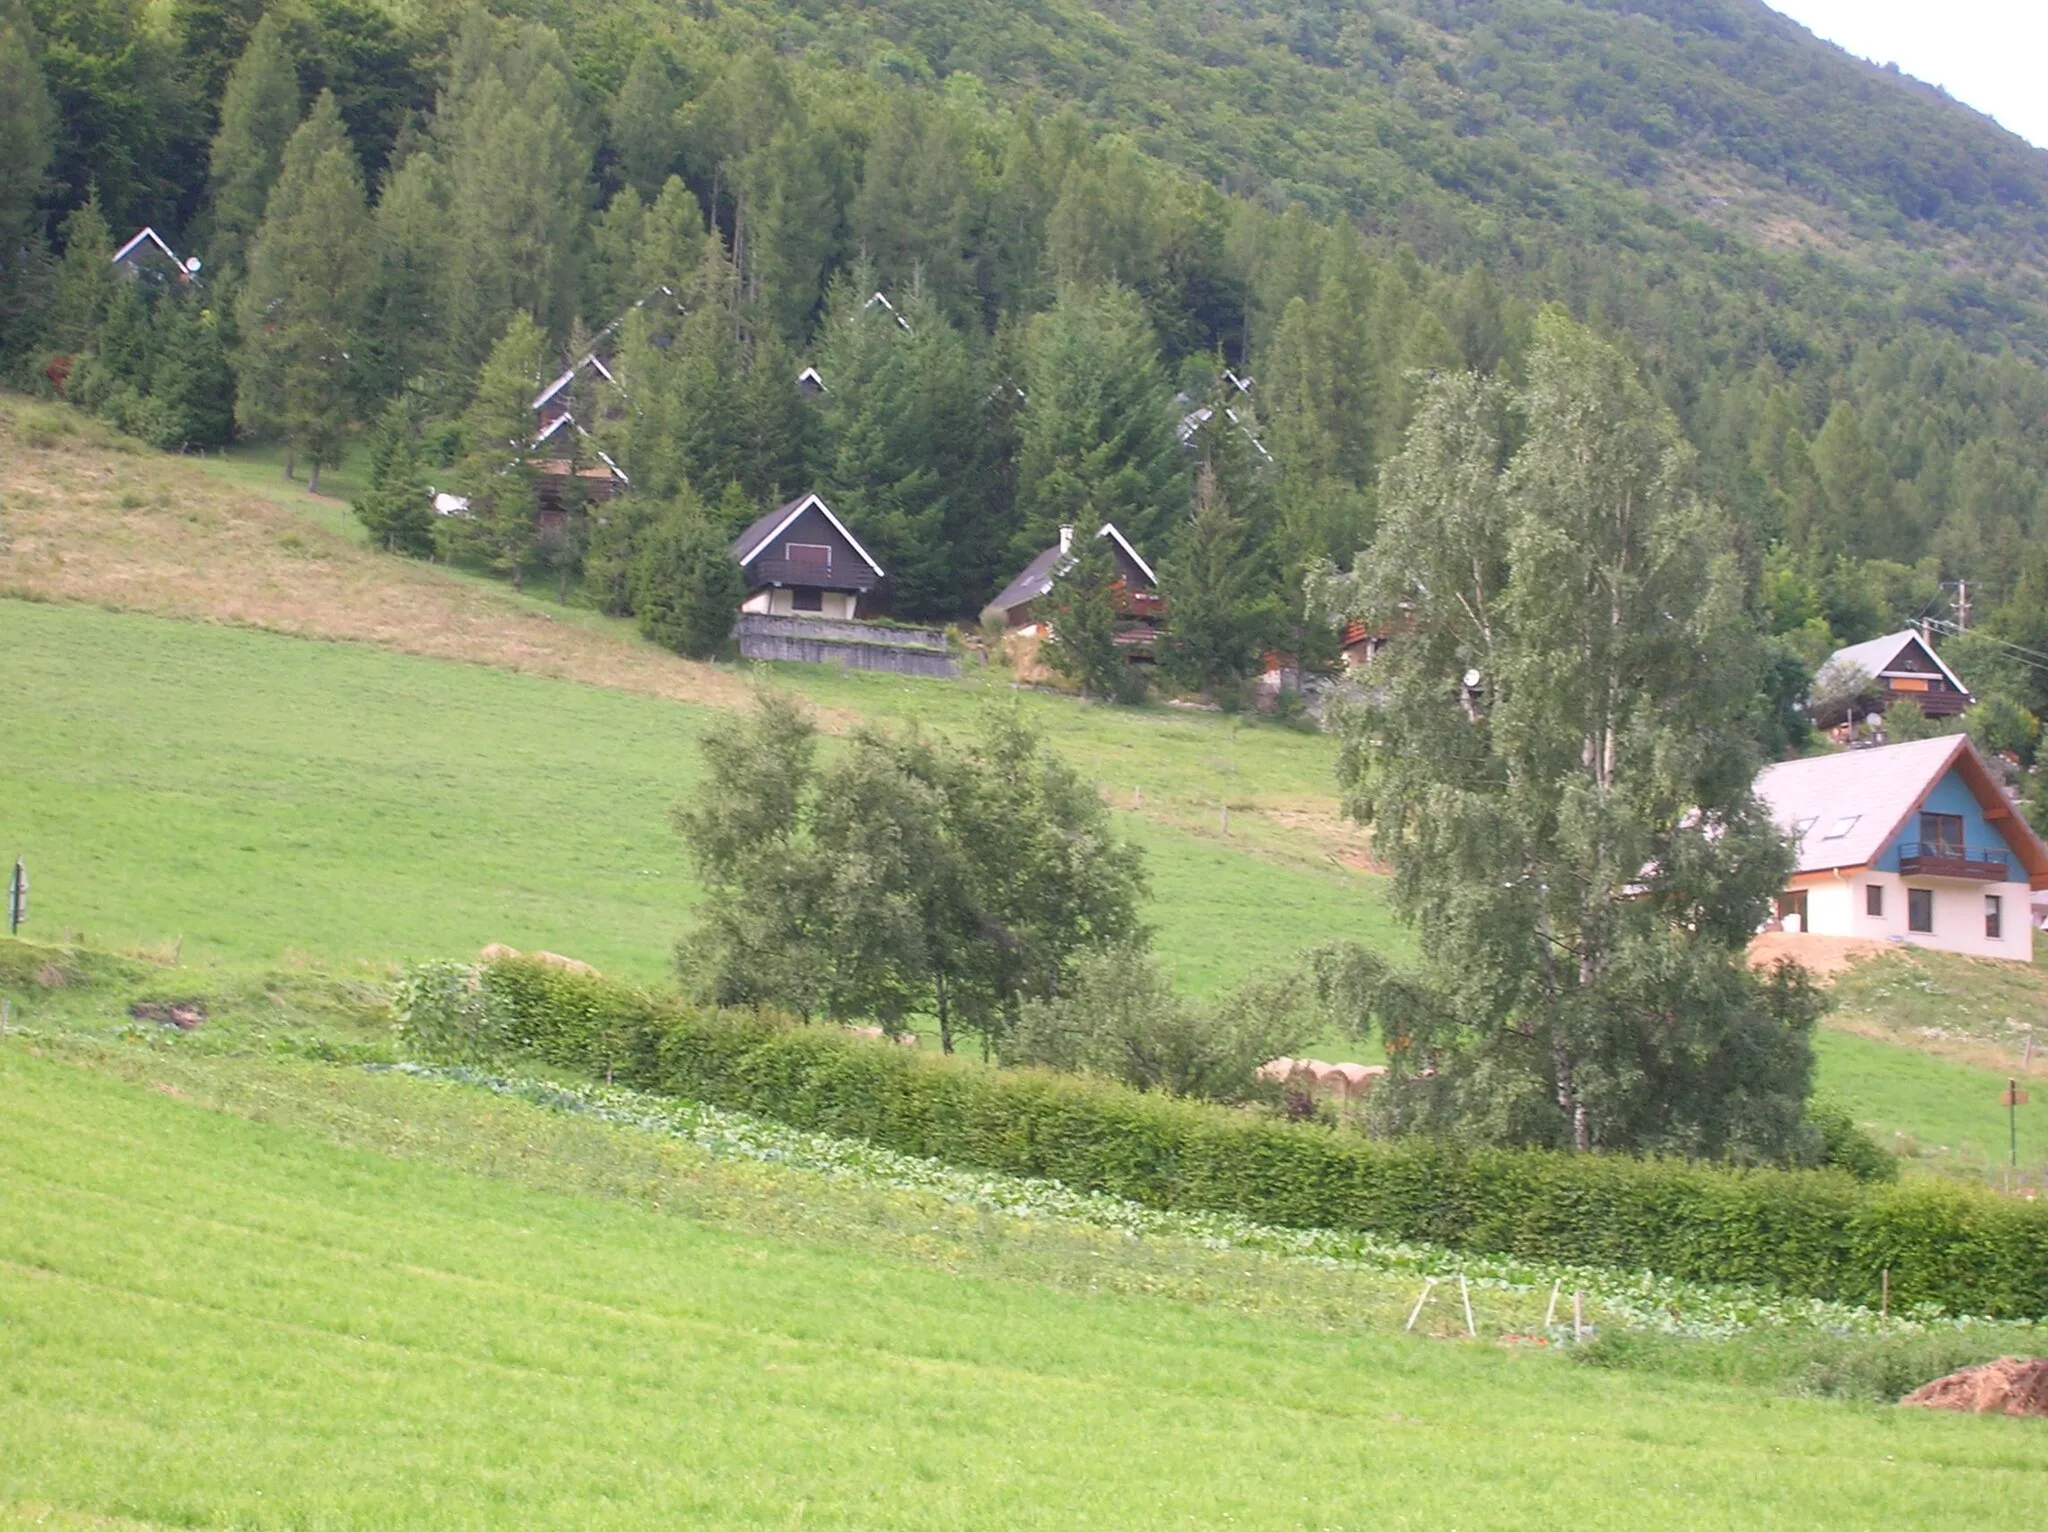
pixel 1873 900
pixel 1920 909
pixel 806 598
pixel 811 555
pixel 1792 911
pixel 1842 826
pixel 1994 916
pixel 1799 830
pixel 1941 834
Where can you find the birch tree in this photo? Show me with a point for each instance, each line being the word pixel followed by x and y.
pixel 1556 755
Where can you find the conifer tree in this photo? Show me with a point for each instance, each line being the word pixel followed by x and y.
pixel 1097 441
pixel 1082 614
pixel 610 285
pixel 1209 579
pixel 85 281
pixel 687 588
pixel 191 385
pixel 258 112
pixel 497 472
pixel 404 326
pixel 671 246
pixel 397 510
pixel 302 306
pixel 645 126
pixel 27 124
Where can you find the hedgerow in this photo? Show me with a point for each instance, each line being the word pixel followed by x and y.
pixel 1819 1234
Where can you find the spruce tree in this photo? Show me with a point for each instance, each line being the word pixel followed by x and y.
pixel 302 305
pixel 1097 439
pixel 85 282
pixel 1082 614
pixel 645 130
pixel 687 588
pixel 27 126
pixel 397 510
pixel 497 470
pixel 1214 621
pixel 404 329
pixel 191 385
pixel 258 112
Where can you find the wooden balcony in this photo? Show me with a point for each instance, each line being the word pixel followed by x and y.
pixel 1934 859
pixel 853 576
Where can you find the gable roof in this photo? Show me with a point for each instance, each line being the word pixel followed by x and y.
pixel 750 544
pixel 1843 810
pixel 151 237
pixel 1878 657
pixel 1036 578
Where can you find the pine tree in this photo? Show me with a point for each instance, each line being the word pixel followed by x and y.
pixel 1855 490
pixel 258 112
pixel 27 128
pixel 687 588
pixel 671 247
pixel 85 282
pixel 510 136
pixel 497 472
pixel 1097 428
pixel 397 511
pixel 302 305
pixel 404 327
pixel 1082 614
pixel 1213 626
pixel 645 128
pixel 610 285
pixel 191 384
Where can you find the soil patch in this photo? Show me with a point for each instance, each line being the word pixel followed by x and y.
pixel 1821 956
pixel 2009 1386
pixel 185 1015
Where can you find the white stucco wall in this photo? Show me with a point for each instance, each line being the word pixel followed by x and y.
pixel 781 602
pixel 1835 907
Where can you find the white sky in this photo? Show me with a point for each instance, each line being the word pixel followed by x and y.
pixel 1991 54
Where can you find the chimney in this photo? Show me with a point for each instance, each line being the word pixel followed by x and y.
pixel 1066 539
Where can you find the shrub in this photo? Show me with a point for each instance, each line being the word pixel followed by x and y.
pixel 1812 1233
pixel 1847 1147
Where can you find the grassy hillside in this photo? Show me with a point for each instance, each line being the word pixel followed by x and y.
pixel 254 796
pixel 254 1317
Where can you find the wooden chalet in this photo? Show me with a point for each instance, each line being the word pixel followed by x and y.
pixel 1140 606
pixel 1899 665
pixel 146 256
pixel 800 559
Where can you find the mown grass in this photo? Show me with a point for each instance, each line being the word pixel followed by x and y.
pixel 250 796
pixel 229 1318
pixel 1938 1114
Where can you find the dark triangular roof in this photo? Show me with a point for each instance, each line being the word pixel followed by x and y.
pixel 749 545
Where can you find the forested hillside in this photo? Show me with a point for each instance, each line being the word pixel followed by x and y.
pixel 410 212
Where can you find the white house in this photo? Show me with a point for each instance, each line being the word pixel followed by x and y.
pixel 1916 843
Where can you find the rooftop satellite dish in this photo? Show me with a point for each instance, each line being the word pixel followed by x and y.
pixel 192 265
pixel 1472 679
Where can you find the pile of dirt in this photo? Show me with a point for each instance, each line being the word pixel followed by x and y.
pixel 1822 956
pixel 2009 1386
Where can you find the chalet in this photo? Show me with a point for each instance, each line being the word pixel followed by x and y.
pixel 147 256
pixel 1899 665
pixel 1020 607
pixel 1915 843
pixel 800 558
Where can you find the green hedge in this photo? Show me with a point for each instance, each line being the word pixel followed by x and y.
pixel 1813 1233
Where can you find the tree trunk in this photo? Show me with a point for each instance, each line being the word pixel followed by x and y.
pixel 945 1015
pixel 291 461
pixel 313 478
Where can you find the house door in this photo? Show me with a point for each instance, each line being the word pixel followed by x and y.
pixel 1792 910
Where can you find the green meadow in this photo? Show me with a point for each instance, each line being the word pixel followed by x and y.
pixel 403 1306
pixel 234 796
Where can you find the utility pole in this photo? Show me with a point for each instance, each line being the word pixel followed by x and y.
pixel 1962 606
pixel 17 897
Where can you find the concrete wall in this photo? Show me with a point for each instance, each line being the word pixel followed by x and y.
pixel 860 646
pixel 1837 907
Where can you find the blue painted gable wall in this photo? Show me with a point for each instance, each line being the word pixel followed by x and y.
pixel 1952 795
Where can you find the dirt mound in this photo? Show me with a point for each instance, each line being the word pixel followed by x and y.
pixel 2009 1386
pixel 185 1015
pixel 1821 956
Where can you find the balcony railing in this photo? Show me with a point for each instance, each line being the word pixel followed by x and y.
pixel 816 576
pixel 1942 859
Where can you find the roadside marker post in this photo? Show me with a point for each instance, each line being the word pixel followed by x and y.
pixel 17 897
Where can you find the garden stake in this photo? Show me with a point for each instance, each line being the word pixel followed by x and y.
pixel 1465 1292
pixel 1578 1316
pixel 1421 1299
pixel 1550 1313
pixel 1884 1302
